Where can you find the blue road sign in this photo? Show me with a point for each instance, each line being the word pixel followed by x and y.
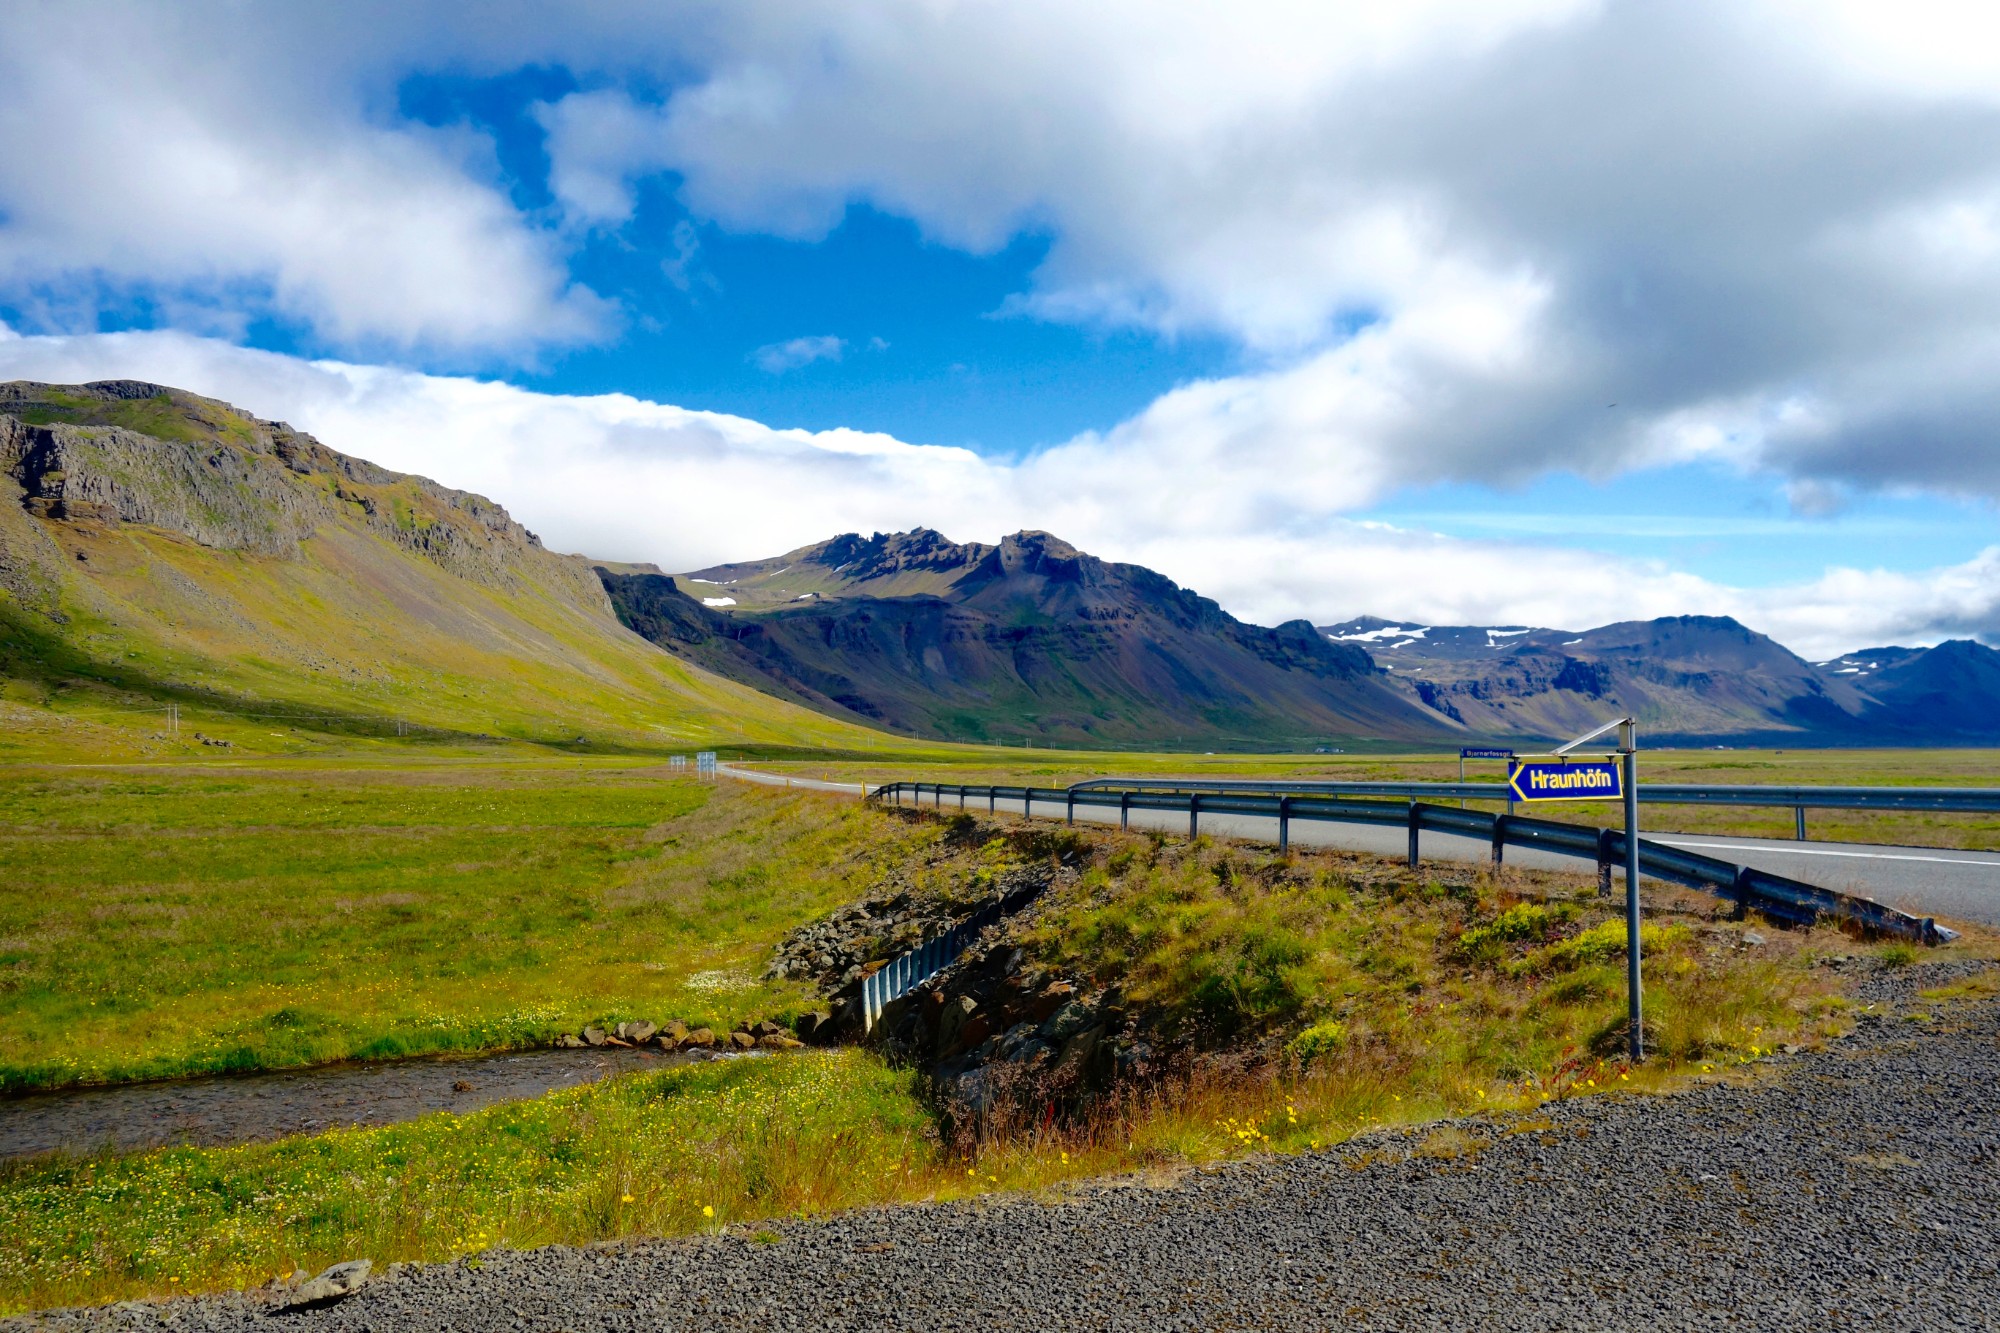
pixel 1554 780
pixel 1475 753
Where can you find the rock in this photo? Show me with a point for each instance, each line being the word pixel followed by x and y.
pixel 1067 1021
pixel 1053 997
pixel 952 1021
pixel 700 1037
pixel 673 1034
pixel 336 1283
pixel 1076 1052
pixel 742 1041
pixel 569 1043
pixel 765 1029
pixel 1752 938
pixel 638 1032
pixel 807 1024
pixel 594 1037
pixel 779 1041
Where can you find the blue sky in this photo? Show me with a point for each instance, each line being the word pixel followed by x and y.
pixel 1554 311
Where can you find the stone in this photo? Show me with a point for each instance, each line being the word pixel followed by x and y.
pixel 952 1021
pixel 336 1283
pixel 807 1024
pixel 700 1037
pixel 1076 1052
pixel 639 1032
pixel 1067 1021
pixel 742 1041
pixel 569 1043
pixel 779 1041
pixel 595 1037
pixel 1053 997
pixel 766 1028
pixel 1752 938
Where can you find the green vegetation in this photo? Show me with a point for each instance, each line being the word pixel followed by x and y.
pixel 161 921
pixel 156 916
pixel 683 1150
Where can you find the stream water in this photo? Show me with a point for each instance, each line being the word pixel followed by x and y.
pixel 245 1108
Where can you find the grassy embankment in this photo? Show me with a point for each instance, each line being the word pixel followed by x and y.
pixel 1399 998
pixel 1861 768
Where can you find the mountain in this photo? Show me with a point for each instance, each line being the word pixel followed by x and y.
pixel 1029 638
pixel 1686 678
pixel 158 547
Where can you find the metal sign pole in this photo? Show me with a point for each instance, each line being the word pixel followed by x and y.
pixel 1628 742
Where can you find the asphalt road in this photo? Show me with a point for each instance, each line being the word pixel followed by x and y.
pixel 1953 885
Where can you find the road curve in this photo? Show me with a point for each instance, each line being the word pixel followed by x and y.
pixel 1956 885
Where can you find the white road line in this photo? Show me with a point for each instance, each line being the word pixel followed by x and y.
pixel 1818 851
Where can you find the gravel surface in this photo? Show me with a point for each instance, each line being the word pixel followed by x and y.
pixel 243 1108
pixel 1859 1186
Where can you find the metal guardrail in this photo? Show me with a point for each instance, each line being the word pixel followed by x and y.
pixel 908 970
pixel 1776 896
pixel 1962 800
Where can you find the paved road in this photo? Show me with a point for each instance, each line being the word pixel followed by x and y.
pixel 1854 1188
pixel 1926 881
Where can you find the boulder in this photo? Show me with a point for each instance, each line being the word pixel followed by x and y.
pixel 807 1024
pixel 673 1034
pixel 952 1021
pixel 742 1041
pixel 1067 1021
pixel 595 1037
pixel 1053 997
pixel 702 1038
pixel 569 1043
pixel 779 1041
pixel 336 1283
pixel 639 1032
pixel 766 1028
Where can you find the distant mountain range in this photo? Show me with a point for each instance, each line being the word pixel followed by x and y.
pixel 1686 678
pixel 1033 638
pixel 160 547
pixel 1029 639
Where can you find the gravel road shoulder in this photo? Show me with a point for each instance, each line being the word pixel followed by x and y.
pixel 1856 1186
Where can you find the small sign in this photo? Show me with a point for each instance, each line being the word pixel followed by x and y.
pixel 1476 753
pixel 1554 780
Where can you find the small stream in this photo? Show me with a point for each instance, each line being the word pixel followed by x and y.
pixel 247 1108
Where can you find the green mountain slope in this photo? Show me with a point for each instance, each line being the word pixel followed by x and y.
pixel 157 547
pixel 1029 639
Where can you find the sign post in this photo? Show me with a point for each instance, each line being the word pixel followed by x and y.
pixel 1557 778
pixel 1482 752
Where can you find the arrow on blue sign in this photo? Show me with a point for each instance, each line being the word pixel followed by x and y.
pixel 1554 780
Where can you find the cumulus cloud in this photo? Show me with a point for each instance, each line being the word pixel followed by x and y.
pixel 777 358
pixel 621 478
pixel 222 163
pixel 1768 233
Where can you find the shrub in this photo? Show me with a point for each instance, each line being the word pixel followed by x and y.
pixel 1317 1040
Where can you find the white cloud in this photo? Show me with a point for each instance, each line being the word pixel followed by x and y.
pixel 225 163
pixel 620 478
pixel 777 358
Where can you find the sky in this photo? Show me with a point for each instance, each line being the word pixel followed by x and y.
pixel 1515 312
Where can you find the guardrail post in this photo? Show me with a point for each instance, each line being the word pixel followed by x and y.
pixel 1069 808
pixel 1413 835
pixel 1499 838
pixel 1800 813
pixel 1124 809
pixel 992 799
pixel 1027 802
pixel 1194 815
pixel 961 796
pixel 1284 824
pixel 1604 863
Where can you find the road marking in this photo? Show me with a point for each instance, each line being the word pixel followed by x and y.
pixel 1819 851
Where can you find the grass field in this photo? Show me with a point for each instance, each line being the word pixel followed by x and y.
pixel 165 919
pixel 170 920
